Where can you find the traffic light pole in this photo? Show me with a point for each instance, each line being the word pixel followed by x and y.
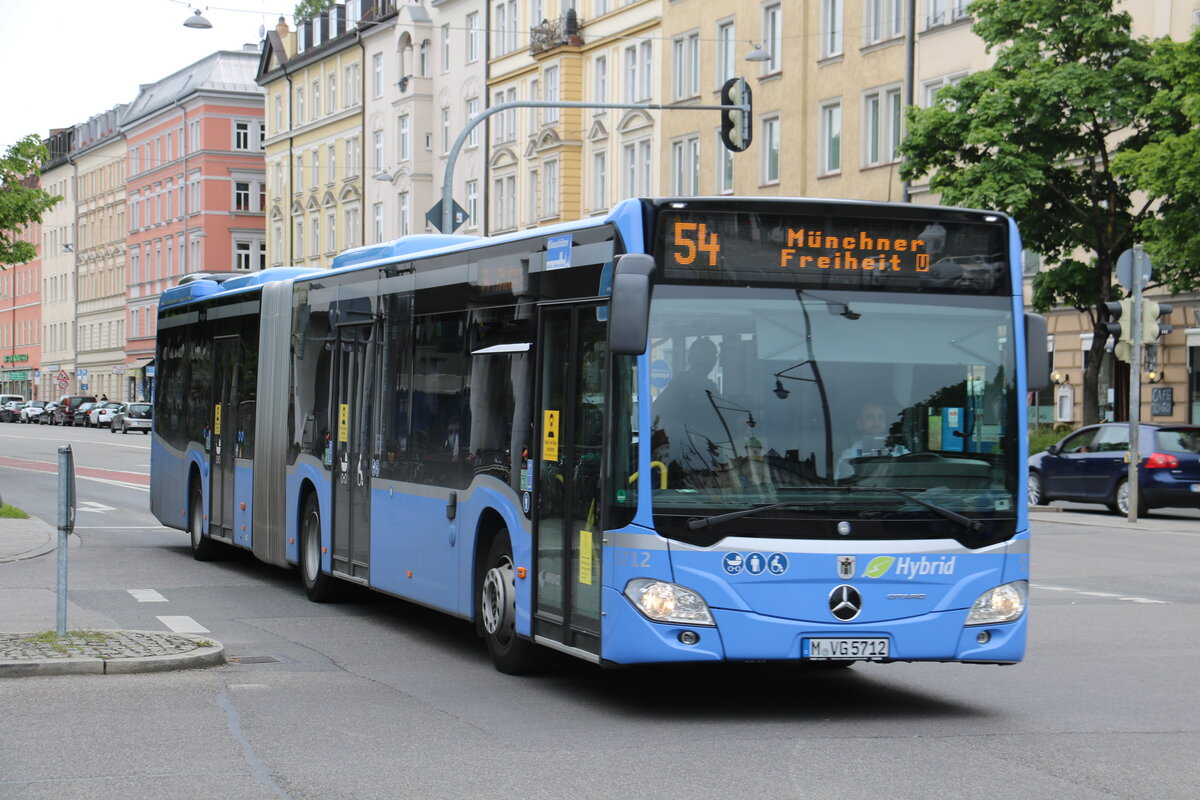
pixel 1135 383
pixel 452 157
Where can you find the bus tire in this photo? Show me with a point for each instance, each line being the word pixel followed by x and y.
pixel 319 586
pixel 203 548
pixel 497 609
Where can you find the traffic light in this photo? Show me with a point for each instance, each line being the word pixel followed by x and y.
pixel 737 126
pixel 1118 310
pixel 1151 313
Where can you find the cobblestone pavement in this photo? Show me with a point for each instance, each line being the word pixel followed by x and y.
pixel 94 644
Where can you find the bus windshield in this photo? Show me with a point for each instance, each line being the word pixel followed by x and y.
pixel 800 399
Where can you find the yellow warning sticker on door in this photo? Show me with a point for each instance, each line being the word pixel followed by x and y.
pixel 344 422
pixel 550 436
pixel 217 419
pixel 585 557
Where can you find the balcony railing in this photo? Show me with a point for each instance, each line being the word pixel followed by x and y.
pixel 555 33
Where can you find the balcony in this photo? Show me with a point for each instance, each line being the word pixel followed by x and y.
pixel 561 32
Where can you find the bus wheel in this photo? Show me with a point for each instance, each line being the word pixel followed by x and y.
pixel 203 548
pixel 497 601
pixel 319 586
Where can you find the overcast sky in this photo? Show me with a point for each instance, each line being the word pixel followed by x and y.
pixel 64 61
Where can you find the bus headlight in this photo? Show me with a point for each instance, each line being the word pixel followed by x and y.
pixel 667 602
pixel 1001 604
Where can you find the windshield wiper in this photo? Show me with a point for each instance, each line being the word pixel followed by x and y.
pixel 973 525
pixel 719 519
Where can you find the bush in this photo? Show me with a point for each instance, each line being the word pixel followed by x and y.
pixel 1042 436
pixel 10 512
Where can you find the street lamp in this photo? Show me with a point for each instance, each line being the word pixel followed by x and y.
pixel 196 21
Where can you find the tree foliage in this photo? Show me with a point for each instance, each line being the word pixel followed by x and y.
pixel 21 204
pixel 1035 136
pixel 1168 167
pixel 308 9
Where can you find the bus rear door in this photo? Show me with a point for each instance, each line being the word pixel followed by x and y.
pixel 354 393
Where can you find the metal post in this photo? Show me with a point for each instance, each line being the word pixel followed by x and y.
pixel 452 156
pixel 66 523
pixel 1135 380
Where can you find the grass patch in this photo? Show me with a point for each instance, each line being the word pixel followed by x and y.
pixel 90 637
pixel 11 512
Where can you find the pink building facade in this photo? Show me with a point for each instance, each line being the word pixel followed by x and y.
pixel 195 189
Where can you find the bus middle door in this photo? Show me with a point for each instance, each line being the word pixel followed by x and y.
pixel 567 526
pixel 223 429
pixel 354 393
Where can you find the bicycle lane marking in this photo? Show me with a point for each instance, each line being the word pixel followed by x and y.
pixel 140 479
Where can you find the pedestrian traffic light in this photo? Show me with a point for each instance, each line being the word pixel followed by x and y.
pixel 1120 331
pixel 737 125
pixel 1152 312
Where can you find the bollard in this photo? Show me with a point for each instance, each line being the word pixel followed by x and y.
pixel 66 524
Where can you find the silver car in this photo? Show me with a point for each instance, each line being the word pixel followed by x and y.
pixel 136 416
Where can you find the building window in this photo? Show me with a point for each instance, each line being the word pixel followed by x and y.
pixel 350 96
pixel 724 167
pixel 599 181
pixel 316 99
pixel 685 166
pixel 882 118
pixel 773 37
pixel 504 195
pixel 726 53
pixel 377 73
pixel 832 16
pixel 472 204
pixel 550 194
pixel 332 152
pixel 685 65
pixel 600 81
pixel 636 165
pixel 378 151
pixel 931 88
pixel 241 136
pixel 405 137
pixel 300 106
pixel 770 150
pixel 298 237
pixel 445 130
pixel 944 12
pixel 331 93
pixel 377 217
pixel 472 113
pixel 472 37
pixel 241 196
pixel 884 20
pixel 405 214
pixel 353 157
pixel 316 235
pixel 242 256
pixel 445 48
pixel 550 77
pixel 831 138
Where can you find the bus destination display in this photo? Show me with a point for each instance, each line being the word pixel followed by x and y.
pixel 834 251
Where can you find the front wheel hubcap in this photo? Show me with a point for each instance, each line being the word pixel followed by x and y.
pixel 498 603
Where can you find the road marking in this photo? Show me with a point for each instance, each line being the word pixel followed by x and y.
pixel 1099 594
pixel 147 596
pixel 92 505
pixel 183 625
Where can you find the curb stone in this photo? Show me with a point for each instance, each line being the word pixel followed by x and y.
pixel 211 653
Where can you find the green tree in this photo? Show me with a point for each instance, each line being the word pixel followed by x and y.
pixel 21 204
pixel 307 9
pixel 1168 167
pixel 1035 135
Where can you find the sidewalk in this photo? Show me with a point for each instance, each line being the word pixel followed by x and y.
pixel 30 651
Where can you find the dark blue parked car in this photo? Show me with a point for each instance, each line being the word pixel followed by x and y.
pixel 1091 466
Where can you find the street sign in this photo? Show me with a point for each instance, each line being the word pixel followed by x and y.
pixel 458 215
pixel 62 380
pixel 1126 270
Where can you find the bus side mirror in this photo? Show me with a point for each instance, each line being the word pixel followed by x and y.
pixel 1037 354
pixel 629 320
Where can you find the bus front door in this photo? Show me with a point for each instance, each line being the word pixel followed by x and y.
pixel 354 393
pixel 567 525
pixel 222 431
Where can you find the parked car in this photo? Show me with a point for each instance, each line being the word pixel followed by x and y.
pixel 68 404
pixel 100 415
pixel 46 415
pixel 10 411
pixel 132 417
pixel 80 417
pixel 5 399
pixel 32 410
pixel 1090 466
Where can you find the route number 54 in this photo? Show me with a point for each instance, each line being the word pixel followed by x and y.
pixel 692 239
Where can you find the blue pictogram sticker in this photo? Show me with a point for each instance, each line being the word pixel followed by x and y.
pixel 733 563
pixel 777 563
pixel 755 563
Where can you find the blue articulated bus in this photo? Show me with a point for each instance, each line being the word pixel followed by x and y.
pixel 695 429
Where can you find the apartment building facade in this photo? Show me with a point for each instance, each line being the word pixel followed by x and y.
pixel 20 317
pixel 196 190
pixel 56 371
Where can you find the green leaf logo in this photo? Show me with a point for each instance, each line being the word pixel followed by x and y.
pixel 879 566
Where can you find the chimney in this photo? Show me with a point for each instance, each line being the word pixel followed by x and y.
pixel 282 29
